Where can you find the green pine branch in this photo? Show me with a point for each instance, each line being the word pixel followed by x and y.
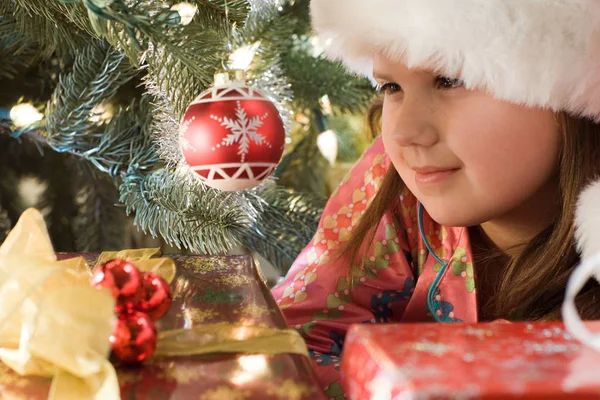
pixel 285 226
pixel 126 145
pixel 285 41
pixel 275 222
pixel 181 80
pixel 221 14
pixel 181 59
pixel 264 24
pixel 54 25
pixel 16 52
pixel 306 156
pixel 98 72
pixel 299 12
pixel 313 77
pixel 185 212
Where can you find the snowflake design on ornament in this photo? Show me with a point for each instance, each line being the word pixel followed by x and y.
pixel 243 130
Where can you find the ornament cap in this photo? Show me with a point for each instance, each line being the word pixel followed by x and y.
pixel 230 75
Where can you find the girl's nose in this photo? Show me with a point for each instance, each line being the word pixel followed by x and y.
pixel 411 123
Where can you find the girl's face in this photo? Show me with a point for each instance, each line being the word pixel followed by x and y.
pixel 467 157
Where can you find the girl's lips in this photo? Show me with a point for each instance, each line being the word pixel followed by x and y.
pixel 428 176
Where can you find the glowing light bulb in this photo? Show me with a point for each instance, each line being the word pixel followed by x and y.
pixel 102 113
pixel 186 11
pixel 328 145
pixel 318 45
pixel 24 115
pixel 242 57
pixel 325 105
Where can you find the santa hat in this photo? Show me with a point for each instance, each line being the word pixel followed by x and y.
pixel 543 53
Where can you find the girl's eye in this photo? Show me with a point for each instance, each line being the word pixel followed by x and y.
pixel 443 82
pixel 389 88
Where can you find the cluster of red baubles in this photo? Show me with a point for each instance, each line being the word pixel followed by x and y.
pixel 141 299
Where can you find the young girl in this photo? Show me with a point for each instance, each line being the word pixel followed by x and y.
pixel 463 210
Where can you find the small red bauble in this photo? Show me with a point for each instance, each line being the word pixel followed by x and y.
pixel 232 136
pixel 123 279
pixel 156 296
pixel 134 337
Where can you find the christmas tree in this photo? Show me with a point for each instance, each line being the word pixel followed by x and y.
pixel 93 95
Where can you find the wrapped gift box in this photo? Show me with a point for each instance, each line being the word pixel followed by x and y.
pixel 206 290
pixel 456 361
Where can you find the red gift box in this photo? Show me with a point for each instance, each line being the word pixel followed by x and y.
pixel 456 361
pixel 206 290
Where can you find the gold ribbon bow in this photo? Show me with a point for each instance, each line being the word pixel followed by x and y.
pixel 42 330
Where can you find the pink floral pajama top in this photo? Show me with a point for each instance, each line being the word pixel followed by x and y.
pixel 406 279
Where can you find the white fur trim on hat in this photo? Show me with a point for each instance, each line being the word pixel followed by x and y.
pixel 542 53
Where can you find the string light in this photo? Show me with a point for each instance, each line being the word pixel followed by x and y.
pixel 24 115
pixel 102 113
pixel 186 11
pixel 318 46
pixel 325 105
pixel 242 57
pixel 328 145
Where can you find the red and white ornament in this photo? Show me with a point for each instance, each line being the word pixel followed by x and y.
pixel 232 135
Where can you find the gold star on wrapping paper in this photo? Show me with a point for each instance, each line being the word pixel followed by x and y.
pixel 70 343
pixel 177 295
pixel 197 315
pixel 233 280
pixel 253 311
pixel 129 377
pixel 291 390
pixel 481 334
pixel 185 374
pixel 205 265
pixel 251 321
pixel 434 349
pixel 180 287
pixel 225 393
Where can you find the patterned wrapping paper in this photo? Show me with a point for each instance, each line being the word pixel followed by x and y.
pixel 206 290
pixel 457 361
